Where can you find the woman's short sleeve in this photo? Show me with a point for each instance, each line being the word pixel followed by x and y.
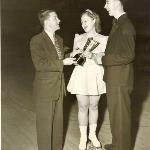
pixel 76 38
pixel 103 43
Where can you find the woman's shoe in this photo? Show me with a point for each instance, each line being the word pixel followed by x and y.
pixel 83 138
pixel 92 136
pixel 82 145
pixel 95 141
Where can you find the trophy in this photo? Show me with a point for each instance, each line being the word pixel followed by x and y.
pixel 89 46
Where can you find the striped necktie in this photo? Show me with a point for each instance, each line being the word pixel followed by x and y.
pixel 57 48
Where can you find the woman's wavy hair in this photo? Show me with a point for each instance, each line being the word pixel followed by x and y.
pixel 43 15
pixel 95 16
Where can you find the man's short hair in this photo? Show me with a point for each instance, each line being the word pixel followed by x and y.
pixel 43 15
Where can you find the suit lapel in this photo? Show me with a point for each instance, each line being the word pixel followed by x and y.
pixel 114 28
pixel 49 46
pixel 116 25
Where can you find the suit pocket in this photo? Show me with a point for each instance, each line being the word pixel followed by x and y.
pixel 47 89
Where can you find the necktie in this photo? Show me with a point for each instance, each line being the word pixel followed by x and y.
pixel 114 27
pixel 57 48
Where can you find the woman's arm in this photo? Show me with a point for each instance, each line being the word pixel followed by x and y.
pixel 76 49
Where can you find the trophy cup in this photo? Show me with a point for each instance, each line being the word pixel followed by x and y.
pixel 89 46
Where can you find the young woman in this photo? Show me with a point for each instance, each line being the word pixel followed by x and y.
pixel 87 81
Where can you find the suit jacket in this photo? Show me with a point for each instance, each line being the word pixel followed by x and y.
pixel 49 78
pixel 120 53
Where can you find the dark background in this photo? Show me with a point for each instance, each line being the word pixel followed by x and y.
pixel 20 23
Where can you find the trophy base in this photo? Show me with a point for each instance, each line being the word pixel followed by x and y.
pixel 80 59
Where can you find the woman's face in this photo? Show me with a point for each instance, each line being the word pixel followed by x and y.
pixel 87 23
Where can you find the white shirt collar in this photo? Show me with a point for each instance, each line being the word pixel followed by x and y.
pixel 51 36
pixel 118 16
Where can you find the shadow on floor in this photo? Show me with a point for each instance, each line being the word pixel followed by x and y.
pixel 139 97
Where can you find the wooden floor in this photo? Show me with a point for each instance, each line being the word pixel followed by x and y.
pixel 18 117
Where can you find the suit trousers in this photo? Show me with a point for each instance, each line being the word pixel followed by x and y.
pixel 49 125
pixel 119 107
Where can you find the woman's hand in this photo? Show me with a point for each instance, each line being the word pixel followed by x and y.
pixel 98 58
pixel 88 54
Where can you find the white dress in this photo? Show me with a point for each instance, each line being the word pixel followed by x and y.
pixel 88 79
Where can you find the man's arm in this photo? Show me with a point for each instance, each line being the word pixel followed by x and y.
pixel 124 52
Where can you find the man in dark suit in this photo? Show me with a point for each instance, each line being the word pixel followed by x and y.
pixel 48 58
pixel 118 62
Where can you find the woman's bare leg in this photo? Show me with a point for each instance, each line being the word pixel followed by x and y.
pixel 83 105
pixel 93 117
pixel 93 109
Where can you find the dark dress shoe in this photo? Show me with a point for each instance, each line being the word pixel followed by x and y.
pixel 108 147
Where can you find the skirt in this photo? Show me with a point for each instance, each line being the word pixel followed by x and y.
pixel 87 80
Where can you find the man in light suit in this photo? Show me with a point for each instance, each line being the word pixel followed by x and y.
pixel 48 58
pixel 118 62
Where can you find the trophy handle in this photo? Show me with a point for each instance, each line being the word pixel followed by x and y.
pixel 80 58
pixel 94 45
pixel 87 44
